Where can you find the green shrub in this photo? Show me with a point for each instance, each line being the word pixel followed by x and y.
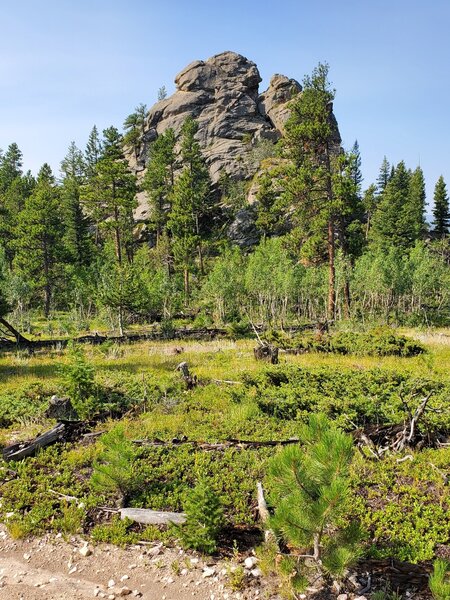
pixel 440 580
pixel 204 519
pixel 374 343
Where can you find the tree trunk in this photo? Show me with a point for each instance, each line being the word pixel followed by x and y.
pixel 347 299
pixel 121 321
pixel 19 337
pixel 186 285
pixel 331 312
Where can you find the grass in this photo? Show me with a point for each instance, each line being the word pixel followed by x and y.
pixel 392 499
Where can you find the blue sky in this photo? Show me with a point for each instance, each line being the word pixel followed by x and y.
pixel 66 65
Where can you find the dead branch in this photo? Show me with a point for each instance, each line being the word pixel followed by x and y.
pixel 152 517
pixel 219 446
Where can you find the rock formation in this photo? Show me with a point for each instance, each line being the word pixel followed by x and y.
pixel 222 94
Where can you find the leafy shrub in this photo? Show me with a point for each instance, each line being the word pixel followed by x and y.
pixel 204 519
pixel 348 396
pixel 375 343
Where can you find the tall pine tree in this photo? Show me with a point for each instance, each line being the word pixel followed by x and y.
pixel 312 144
pixel 39 248
pixel 190 197
pixel 159 180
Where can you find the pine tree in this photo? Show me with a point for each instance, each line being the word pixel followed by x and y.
pixel 441 211
pixel 159 179
pixel 77 238
pixel 109 196
pixel 190 196
pixel 113 469
pixel 134 126
pixel 311 486
pixel 312 144
pixel 39 248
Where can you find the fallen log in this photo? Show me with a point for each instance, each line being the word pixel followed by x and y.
pixel 152 517
pixel 220 446
pixel 61 431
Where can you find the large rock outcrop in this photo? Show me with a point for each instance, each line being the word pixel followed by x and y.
pixel 222 94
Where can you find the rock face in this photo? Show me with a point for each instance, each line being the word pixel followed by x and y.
pixel 222 94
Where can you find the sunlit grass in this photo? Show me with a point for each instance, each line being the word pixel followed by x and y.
pixel 211 360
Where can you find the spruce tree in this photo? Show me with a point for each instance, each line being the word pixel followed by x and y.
pixel 416 202
pixel 93 151
pixel 10 166
pixel 441 211
pixel 383 176
pixel 392 223
pixel 39 247
pixel 159 180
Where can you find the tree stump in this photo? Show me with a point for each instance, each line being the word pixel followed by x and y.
pixel 266 352
pixel 61 409
pixel 190 380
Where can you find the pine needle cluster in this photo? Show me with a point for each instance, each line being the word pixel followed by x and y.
pixel 114 468
pixel 311 487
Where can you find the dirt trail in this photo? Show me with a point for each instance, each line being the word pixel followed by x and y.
pixel 52 569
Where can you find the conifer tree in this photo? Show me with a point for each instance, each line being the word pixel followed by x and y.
pixel 10 166
pixel 383 176
pixel 189 202
pixel 312 144
pixel 134 126
pixel 77 238
pixel 416 201
pixel 159 179
pixel 110 195
pixel 93 152
pixel 392 223
pixel 204 519
pixel 39 248
pixel 441 211
pixel 311 485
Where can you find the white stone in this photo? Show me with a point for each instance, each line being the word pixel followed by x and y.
pixel 27 557
pixel 111 583
pixel 250 562
pixel 256 572
pixel 124 577
pixel 73 570
pixel 342 597
pixel 154 551
pixel 208 571
pixel 85 551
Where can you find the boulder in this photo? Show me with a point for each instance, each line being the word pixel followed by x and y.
pixel 222 94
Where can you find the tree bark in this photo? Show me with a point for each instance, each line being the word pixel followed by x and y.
pixel 331 309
